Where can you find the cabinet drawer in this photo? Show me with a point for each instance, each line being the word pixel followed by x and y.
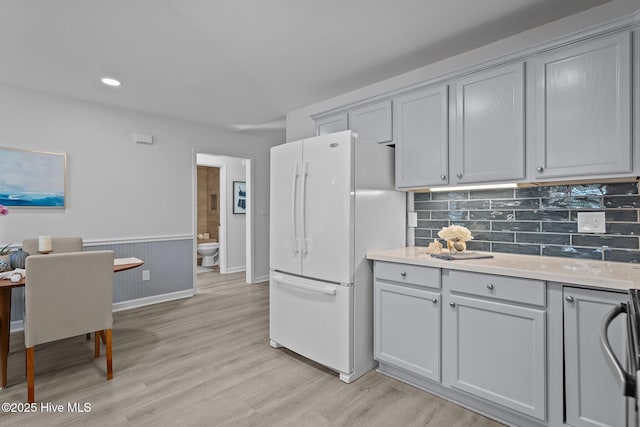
pixel 406 273
pixel 506 288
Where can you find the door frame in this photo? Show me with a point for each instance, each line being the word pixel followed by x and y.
pixel 249 226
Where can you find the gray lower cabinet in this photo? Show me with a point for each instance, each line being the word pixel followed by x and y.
pixel 407 329
pixel 521 350
pixel 407 316
pixel 593 397
pixel 497 352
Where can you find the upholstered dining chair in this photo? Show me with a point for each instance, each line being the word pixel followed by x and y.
pixel 67 294
pixel 58 245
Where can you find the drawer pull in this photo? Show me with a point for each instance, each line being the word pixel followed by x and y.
pixel 569 298
pixel 434 300
pixel 452 304
pixel 443 177
pixel 490 286
pixel 403 273
pixel 459 174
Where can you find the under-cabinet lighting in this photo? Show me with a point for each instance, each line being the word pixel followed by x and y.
pixel 474 187
pixel 110 82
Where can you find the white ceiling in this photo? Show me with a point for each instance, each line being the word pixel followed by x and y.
pixel 243 62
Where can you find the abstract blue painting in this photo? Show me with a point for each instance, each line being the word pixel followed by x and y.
pixel 32 178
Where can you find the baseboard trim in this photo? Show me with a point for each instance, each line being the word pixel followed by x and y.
pixel 260 279
pixel 18 325
pixel 155 299
pixel 235 269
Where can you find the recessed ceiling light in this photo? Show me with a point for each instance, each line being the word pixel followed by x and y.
pixel 110 82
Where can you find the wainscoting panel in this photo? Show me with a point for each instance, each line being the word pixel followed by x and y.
pixel 170 263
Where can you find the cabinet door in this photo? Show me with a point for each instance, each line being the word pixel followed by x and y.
pixel 581 109
pixel 331 124
pixel 593 395
pixel 407 329
pixel 422 137
pixel 489 126
pixel 372 122
pixel 497 351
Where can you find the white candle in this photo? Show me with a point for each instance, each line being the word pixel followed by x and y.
pixel 44 243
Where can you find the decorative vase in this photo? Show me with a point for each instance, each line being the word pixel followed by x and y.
pixel 456 245
pixel 18 258
pixel 5 265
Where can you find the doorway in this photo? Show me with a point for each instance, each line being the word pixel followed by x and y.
pixel 234 204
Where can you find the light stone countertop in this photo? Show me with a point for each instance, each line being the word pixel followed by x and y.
pixel 598 274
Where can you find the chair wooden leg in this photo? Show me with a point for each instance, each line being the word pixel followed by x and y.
pixel 97 344
pixel 109 354
pixel 30 382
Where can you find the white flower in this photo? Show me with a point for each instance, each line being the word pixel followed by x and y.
pixel 455 232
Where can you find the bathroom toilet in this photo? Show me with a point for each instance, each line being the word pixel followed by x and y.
pixel 209 253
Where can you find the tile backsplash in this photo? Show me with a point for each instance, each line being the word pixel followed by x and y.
pixel 538 220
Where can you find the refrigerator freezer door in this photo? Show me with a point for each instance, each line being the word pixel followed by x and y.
pixel 327 207
pixel 313 319
pixel 286 237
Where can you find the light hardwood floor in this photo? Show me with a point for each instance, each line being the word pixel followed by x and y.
pixel 206 361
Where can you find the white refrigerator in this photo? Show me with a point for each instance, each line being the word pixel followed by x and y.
pixel 332 200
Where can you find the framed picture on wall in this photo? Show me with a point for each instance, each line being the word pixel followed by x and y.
pixel 32 178
pixel 239 197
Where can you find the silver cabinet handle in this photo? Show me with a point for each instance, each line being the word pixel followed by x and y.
pixel 434 300
pixel 569 298
pixel 539 169
pixel 403 273
pixel 443 177
pixel 452 304
pixel 459 174
pixel 490 286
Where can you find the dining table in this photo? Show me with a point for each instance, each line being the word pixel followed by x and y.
pixel 6 286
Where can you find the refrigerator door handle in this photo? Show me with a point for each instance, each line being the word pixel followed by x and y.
pixel 294 229
pixel 320 289
pixel 305 242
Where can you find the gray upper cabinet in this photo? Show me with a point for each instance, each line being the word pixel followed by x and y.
pixel 422 137
pixel 580 109
pixel 593 395
pixel 332 123
pixel 489 138
pixel 372 122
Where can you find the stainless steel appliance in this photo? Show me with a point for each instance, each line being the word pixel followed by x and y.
pixel 627 377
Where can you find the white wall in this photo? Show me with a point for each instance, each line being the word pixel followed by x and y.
pixel 117 189
pixel 235 238
pixel 300 125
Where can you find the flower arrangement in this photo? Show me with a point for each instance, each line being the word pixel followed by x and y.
pixel 456 237
pixel 456 233
pixel 4 210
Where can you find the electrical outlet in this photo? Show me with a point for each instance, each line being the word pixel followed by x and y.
pixel 412 219
pixel 146 275
pixel 591 222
